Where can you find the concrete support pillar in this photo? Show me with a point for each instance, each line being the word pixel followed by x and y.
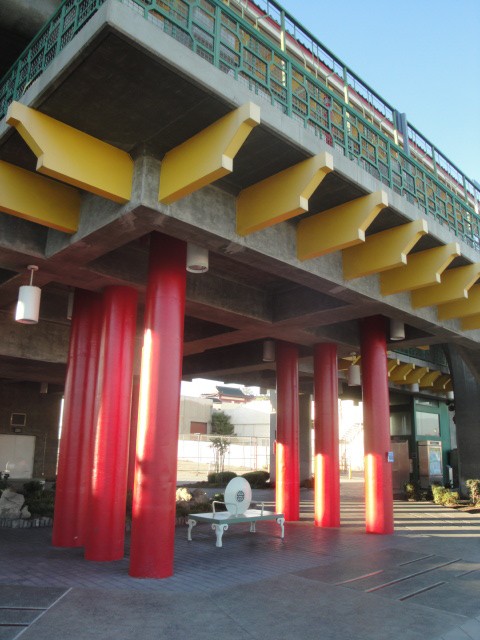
pixel 76 442
pixel 106 530
pixel 287 447
pixel 305 441
pixel 153 514
pixel 327 472
pixel 376 421
pixel 465 371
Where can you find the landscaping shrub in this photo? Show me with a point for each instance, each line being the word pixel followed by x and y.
pixel 224 477
pixel 40 504
pixel 257 479
pixel 412 491
pixel 473 486
pixel 444 496
pixel 33 487
pixel 211 477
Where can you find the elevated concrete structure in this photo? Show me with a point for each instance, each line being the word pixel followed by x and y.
pixel 272 183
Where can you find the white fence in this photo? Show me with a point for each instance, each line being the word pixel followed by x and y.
pixel 196 455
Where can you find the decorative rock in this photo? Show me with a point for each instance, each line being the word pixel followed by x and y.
pixel 11 504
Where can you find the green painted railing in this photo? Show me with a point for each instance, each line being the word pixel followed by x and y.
pixel 433 355
pixel 262 46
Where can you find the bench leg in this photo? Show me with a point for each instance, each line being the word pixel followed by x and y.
pixel 281 522
pixel 191 524
pixel 252 527
pixel 219 529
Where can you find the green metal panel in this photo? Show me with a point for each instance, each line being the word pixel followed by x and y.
pixel 263 47
pixel 442 411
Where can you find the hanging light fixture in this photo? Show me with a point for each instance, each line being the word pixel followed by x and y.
pixel 71 297
pixel 450 395
pixel 197 259
pixel 28 305
pixel 353 373
pixel 268 351
pixel 397 330
pixel 414 387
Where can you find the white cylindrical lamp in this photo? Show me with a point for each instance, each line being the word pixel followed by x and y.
pixel 268 351
pixel 197 259
pixel 353 375
pixel 28 304
pixel 397 330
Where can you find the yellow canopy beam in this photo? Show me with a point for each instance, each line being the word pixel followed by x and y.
pixel 470 323
pixel 454 286
pixel 462 308
pixel 429 378
pixel 441 382
pixel 400 373
pixel 72 156
pixel 340 227
pixel 392 363
pixel 415 375
pixel 281 196
pixel 207 156
pixel 27 195
pixel 382 251
pixel 422 269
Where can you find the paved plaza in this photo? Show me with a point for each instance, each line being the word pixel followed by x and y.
pixel 422 583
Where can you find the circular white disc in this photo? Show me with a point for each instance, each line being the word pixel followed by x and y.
pixel 238 495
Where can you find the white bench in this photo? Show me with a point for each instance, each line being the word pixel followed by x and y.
pixel 238 495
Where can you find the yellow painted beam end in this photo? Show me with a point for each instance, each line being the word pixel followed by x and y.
pixel 400 373
pixel 429 379
pixel 72 156
pixel 382 251
pixel 340 227
pixel 281 196
pixel 471 323
pixel 461 308
pixel 32 197
pixel 207 156
pixel 423 269
pixel 454 286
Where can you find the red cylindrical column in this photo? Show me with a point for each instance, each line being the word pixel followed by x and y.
pixel 106 530
pixel 287 480
pixel 133 437
pixel 76 441
pixel 327 473
pixel 153 517
pixel 376 422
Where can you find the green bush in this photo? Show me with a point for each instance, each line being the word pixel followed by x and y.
pixel 224 477
pixel 473 486
pixel 41 504
pixel 444 496
pixel 211 477
pixel 257 479
pixel 412 491
pixel 33 487
pixel 438 492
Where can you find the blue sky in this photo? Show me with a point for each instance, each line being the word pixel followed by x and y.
pixel 421 56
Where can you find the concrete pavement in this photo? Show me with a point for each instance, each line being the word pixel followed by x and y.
pixel 421 583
